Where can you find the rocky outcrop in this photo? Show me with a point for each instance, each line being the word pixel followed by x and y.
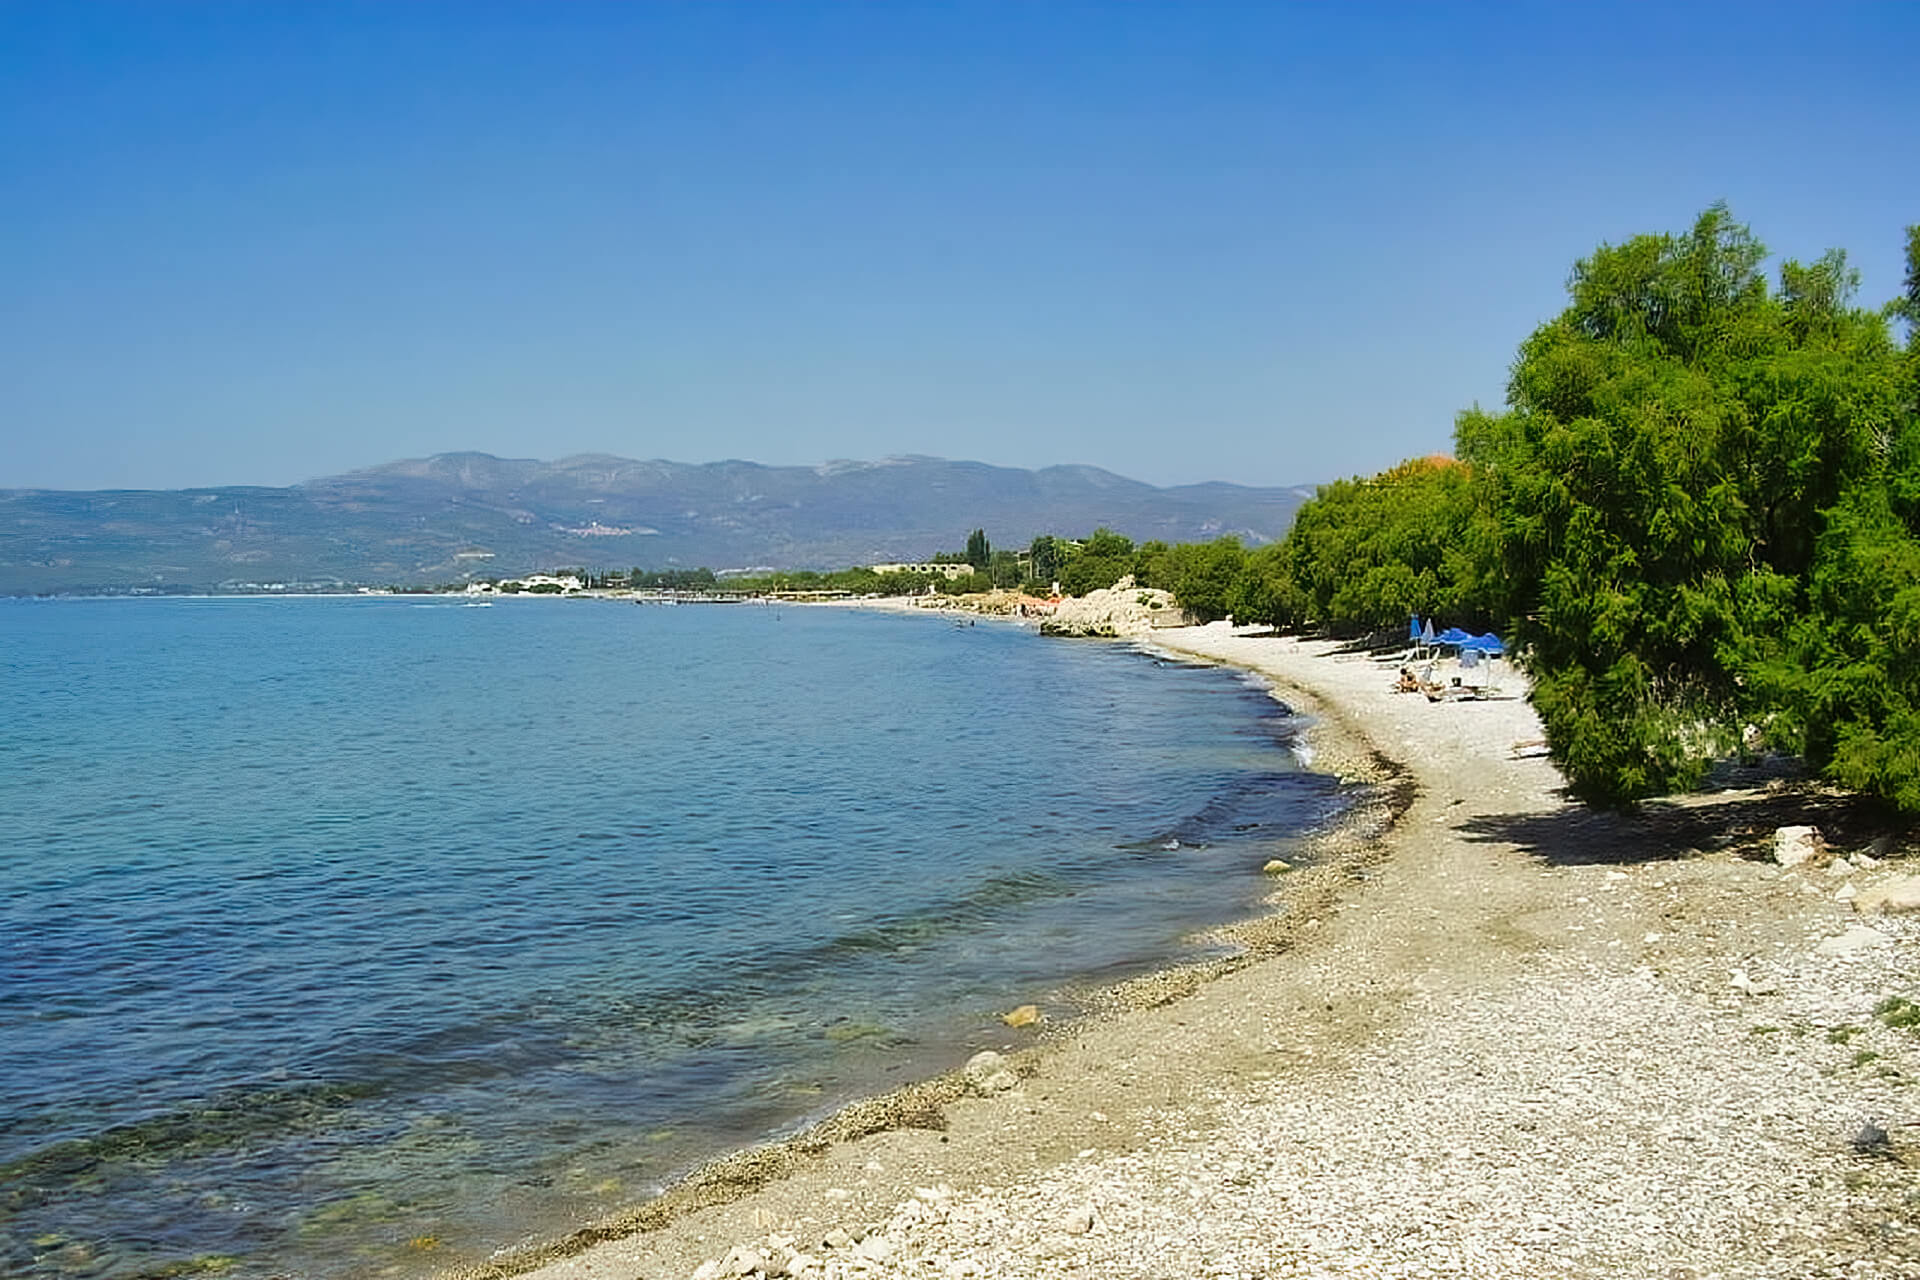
pixel 1117 611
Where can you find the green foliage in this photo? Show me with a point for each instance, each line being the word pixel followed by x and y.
pixel 979 550
pixel 1046 558
pixel 1693 521
pixel 1898 1012
pixel 671 579
pixel 1207 578
pixel 1364 554
pixel 1102 560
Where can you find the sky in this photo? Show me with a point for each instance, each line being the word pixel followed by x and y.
pixel 256 243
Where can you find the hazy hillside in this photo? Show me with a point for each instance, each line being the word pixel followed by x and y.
pixel 462 515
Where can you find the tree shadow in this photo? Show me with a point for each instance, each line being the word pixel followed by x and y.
pixel 1739 819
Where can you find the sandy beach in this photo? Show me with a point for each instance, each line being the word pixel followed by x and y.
pixel 1488 1034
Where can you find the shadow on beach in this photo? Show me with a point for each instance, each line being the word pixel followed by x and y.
pixel 1730 818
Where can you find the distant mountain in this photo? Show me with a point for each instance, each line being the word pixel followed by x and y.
pixel 457 516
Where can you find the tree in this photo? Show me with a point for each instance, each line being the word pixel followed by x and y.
pixel 1102 560
pixel 1690 470
pixel 1207 578
pixel 1046 558
pixel 1363 554
pixel 979 552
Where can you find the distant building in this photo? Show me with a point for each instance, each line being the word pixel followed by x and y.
pixel 566 584
pixel 947 571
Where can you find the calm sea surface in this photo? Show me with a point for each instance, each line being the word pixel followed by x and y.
pixel 341 936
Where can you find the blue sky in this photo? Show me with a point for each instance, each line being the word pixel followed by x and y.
pixel 256 243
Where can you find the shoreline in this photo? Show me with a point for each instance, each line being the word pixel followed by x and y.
pixel 1342 856
pixel 1338 856
pixel 1512 1038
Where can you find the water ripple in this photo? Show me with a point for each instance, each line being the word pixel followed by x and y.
pixel 331 924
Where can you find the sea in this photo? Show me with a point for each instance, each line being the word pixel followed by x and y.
pixel 370 936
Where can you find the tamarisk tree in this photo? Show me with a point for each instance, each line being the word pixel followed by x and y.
pixel 1705 494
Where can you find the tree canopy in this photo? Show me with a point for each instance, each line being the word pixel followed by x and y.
pixel 1693 475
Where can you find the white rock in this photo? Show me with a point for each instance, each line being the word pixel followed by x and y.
pixel 1897 895
pixel 1795 845
pixel 1845 893
pixel 1078 1222
pixel 742 1260
pixel 1857 938
pixel 874 1249
pixel 708 1270
pixel 987 1073
pixel 789 1263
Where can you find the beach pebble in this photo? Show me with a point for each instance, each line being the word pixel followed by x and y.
pixel 1276 865
pixel 987 1073
pixel 1898 895
pixel 1025 1016
pixel 1078 1222
pixel 1793 846
pixel 741 1260
pixel 875 1249
pixel 1858 938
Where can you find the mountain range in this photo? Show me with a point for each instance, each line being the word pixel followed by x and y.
pixel 459 516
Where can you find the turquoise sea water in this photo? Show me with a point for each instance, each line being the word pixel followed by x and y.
pixel 345 935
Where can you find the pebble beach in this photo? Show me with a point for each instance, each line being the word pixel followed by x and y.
pixel 1485 1033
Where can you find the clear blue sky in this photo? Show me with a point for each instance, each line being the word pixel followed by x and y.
pixel 256 243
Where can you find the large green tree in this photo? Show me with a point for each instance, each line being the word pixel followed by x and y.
pixel 979 550
pixel 1693 472
pixel 1099 562
pixel 1365 553
pixel 1209 579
